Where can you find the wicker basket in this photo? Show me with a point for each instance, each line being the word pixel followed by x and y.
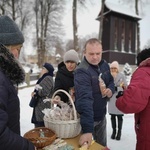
pixel 64 129
pixel 40 142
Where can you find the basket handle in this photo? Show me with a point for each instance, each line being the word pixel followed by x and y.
pixel 74 110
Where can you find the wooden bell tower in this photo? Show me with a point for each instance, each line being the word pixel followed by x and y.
pixel 119 34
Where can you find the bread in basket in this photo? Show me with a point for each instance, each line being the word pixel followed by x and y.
pixel 64 129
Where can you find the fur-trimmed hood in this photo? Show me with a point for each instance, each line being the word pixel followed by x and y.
pixel 10 66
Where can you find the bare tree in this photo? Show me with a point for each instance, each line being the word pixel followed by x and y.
pixel 74 20
pixel 69 44
pixel 101 20
pixel 2 6
pixel 138 27
pixel 11 8
pixel 48 13
pixel 75 28
pixel 16 9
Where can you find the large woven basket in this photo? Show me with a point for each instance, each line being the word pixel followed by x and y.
pixel 40 142
pixel 64 129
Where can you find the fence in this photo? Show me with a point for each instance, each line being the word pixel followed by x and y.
pixel 30 80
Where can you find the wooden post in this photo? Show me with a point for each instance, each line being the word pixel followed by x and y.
pixel 27 79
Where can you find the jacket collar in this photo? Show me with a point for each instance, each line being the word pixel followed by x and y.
pixel 10 66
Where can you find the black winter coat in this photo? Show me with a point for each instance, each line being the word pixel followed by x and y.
pixel 64 80
pixel 11 74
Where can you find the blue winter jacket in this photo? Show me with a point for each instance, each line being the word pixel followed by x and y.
pixel 11 74
pixel 89 102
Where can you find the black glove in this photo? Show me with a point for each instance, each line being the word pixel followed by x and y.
pixel 120 93
pixel 116 89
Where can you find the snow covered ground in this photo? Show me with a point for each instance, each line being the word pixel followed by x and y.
pixel 127 141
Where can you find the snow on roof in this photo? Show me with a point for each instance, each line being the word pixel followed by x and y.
pixel 121 9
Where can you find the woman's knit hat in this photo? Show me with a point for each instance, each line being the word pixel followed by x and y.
pixel 114 64
pixel 49 67
pixel 9 32
pixel 71 55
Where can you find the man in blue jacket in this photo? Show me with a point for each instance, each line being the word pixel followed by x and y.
pixel 90 103
pixel 11 74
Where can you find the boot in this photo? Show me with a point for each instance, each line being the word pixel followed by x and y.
pixel 118 137
pixel 113 123
pixel 113 136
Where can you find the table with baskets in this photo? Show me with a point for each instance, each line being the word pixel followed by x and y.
pixel 67 130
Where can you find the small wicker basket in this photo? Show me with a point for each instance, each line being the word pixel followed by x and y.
pixel 38 141
pixel 64 129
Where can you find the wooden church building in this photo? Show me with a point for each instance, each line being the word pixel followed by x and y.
pixel 119 34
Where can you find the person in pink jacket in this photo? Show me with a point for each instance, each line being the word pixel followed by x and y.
pixel 136 99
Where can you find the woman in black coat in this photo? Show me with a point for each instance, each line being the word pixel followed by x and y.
pixel 65 76
pixel 11 75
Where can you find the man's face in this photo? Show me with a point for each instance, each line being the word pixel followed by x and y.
pixel 15 50
pixel 93 53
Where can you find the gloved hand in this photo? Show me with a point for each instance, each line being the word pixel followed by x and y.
pixel 120 93
pixel 116 89
pixel 37 87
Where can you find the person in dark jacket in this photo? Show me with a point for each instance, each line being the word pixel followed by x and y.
pixel 11 75
pixel 65 76
pixel 43 90
pixel 136 99
pixel 90 100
